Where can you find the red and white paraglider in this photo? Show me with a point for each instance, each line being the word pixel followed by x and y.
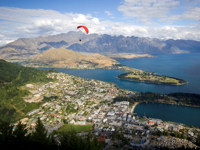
pixel 85 29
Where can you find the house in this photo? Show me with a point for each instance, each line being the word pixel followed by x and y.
pixel 33 112
pixel 111 113
pixel 150 122
pixel 29 85
pixel 104 120
pixel 81 119
pixel 80 123
pixel 72 122
pixel 157 121
pixel 191 133
pixel 101 139
pixel 37 95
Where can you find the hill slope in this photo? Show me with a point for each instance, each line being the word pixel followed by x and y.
pixel 12 76
pixel 64 58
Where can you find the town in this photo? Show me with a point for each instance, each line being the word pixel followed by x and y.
pixel 74 100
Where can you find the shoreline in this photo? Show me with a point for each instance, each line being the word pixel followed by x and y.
pixel 118 76
pixel 133 107
pixel 147 82
pixel 187 105
pixel 123 77
pixel 164 120
pixel 128 70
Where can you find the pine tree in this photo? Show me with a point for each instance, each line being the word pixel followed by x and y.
pixel 21 139
pixel 40 134
pixel 198 139
pixel 6 136
pixel 6 128
pixel 20 131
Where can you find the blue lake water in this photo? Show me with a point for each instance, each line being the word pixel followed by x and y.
pixel 184 66
pixel 168 112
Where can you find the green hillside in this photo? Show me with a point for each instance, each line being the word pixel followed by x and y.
pixel 12 76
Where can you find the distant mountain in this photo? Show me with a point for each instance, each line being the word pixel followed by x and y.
pixel 25 48
pixel 136 45
pixel 64 58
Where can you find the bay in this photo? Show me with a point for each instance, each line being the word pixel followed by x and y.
pixel 183 66
pixel 168 112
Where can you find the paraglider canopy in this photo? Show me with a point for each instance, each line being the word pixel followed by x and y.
pixel 85 28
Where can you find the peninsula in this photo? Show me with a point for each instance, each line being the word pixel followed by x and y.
pixel 92 107
pixel 127 55
pixel 65 58
pixel 150 77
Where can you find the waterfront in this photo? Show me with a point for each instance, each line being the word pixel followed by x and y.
pixel 168 112
pixel 183 66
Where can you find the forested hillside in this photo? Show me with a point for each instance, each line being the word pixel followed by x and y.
pixel 12 76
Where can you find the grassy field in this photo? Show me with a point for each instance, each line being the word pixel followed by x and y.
pixel 76 128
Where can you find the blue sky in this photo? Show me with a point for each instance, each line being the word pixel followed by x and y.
pixel 75 6
pixel 165 19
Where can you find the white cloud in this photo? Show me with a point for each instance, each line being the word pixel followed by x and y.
pixel 108 13
pixel 146 10
pixel 169 32
pixel 154 11
pixel 20 23
pixel 96 20
pixel 191 14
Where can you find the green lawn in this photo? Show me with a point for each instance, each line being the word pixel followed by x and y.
pixel 76 128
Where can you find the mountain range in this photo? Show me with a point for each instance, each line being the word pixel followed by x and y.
pixel 25 48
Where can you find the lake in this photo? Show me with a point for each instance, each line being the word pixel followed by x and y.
pixel 184 66
pixel 168 112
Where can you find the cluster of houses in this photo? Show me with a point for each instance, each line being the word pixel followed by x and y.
pixel 79 101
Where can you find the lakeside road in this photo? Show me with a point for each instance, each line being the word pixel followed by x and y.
pixel 133 107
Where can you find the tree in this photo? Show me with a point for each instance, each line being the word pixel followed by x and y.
pixel 21 139
pixel 5 129
pixel 198 140
pixel 20 131
pixel 146 127
pixel 69 140
pixel 6 136
pixel 18 139
pixel 40 134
